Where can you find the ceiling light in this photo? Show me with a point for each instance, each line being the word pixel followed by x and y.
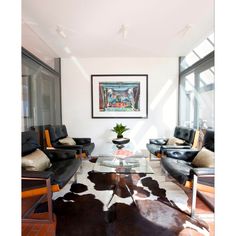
pixel 60 31
pixel 123 31
pixel 67 50
pixel 184 30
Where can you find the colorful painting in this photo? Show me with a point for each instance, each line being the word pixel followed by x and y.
pixel 119 96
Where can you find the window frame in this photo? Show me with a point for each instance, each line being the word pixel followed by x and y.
pixel 203 64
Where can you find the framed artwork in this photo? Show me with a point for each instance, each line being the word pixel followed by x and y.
pixel 119 96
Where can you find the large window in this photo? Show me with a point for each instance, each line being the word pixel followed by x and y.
pixel 41 102
pixel 197 87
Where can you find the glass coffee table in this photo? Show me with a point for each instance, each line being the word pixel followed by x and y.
pixel 126 160
pixel 123 162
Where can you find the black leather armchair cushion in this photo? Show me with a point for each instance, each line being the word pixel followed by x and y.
pixel 155 146
pixel 181 154
pixel 63 171
pixel 29 142
pixel 178 163
pixel 186 134
pixel 158 141
pixel 64 164
pixel 183 171
pixel 59 155
pixel 178 169
pixel 59 132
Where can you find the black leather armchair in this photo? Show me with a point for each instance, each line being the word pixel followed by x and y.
pixel 178 164
pixel 158 145
pixel 57 132
pixel 63 167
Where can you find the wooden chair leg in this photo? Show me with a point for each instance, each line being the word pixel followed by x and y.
pixel 48 197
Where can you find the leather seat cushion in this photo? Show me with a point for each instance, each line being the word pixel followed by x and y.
pixel 178 169
pixel 64 171
pixel 88 148
pixel 153 148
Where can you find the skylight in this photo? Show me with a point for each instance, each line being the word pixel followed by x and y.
pixel 198 53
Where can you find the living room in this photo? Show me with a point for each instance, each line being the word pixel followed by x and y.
pixel 120 40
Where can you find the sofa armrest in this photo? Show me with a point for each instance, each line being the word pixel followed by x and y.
pixel 158 141
pixel 165 147
pixel 36 174
pixel 81 141
pixel 203 171
pixel 181 154
pixel 68 147
pixel 60 154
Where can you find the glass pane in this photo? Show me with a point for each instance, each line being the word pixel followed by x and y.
pixel 206 77
pixel 204 48
pixel 40 95
pixel 197 53
pixel 189 60
pixel 212 38
pixel 189 82
pixel 206 108
pixel 197 98
pixel 187 100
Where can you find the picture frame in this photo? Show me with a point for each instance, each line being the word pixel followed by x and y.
pixel 119 95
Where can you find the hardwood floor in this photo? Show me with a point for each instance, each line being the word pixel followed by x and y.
pixel 33 229
pixel 202 211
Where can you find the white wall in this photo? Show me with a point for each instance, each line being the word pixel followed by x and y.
pixel 162 96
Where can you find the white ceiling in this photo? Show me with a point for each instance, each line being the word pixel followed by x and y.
pixel 155 28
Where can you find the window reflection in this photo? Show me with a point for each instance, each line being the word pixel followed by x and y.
pixel 40 95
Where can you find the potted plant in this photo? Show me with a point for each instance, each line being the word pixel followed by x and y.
pixel 119 129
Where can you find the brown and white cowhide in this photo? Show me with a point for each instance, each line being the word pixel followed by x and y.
pixel 137 204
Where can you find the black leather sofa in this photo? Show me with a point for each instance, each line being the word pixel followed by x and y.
pixel 178 164
pixel 63 167
pixel 57 132
pixel 155 146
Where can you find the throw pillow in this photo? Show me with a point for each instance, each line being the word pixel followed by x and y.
pixel 204 158
pixel 36 161
pixel 67 141
pixel 175 141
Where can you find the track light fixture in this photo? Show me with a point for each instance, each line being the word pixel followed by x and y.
pixel 60 31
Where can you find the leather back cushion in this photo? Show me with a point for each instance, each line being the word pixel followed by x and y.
pixel 29 142
pixel 57 132
pixel 184 133
pixel 209 140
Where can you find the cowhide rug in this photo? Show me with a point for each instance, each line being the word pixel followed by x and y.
pixel 137 204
